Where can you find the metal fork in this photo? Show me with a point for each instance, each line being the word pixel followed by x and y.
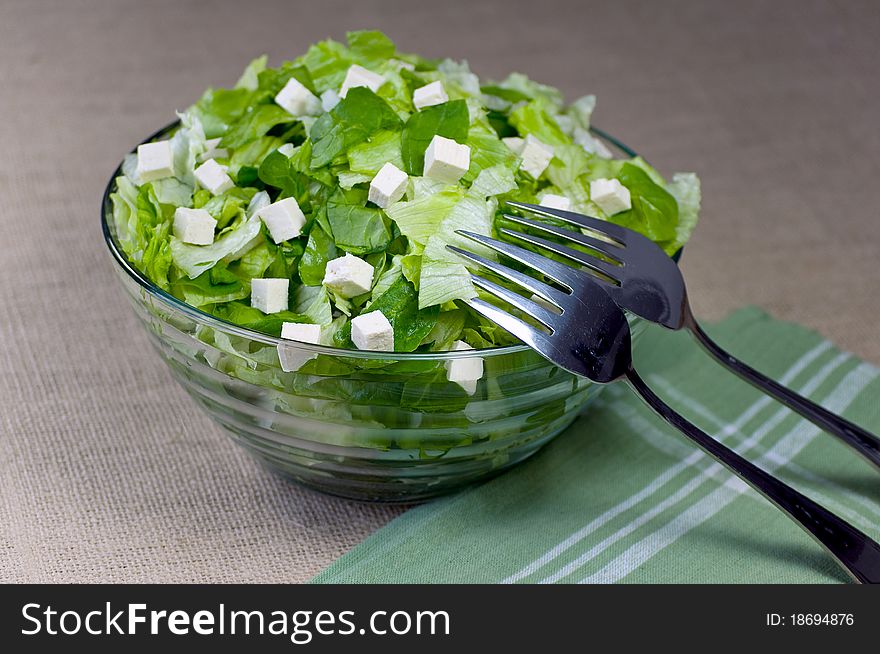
pixel 589 336
pixel 641 278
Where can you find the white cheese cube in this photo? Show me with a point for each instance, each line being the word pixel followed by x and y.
pixel 552 201
pixel 464 372
pixel 296 99
pixel 212 176
pixel 360 76
pixel 194 226
pixel 291 357
pixel 429 95
pixel 284 219
pixel 155 161
pixel 536 156
pixel 329 99
pixel 270 295
pixel 372 331
pixel 348 276
pixel 212 151
pixel 446 160
pixel 515 143
pixel 388 186
pixel 287 149
pixel 610 196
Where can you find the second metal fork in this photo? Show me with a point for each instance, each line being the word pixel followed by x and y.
pixel 642 279
pixel 586 332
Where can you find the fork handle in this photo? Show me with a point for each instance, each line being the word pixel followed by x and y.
pixel 861 440
pixel 855 551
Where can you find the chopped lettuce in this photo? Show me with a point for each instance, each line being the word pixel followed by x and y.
pixel 327 162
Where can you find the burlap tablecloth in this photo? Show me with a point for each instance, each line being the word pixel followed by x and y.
pixel 109 473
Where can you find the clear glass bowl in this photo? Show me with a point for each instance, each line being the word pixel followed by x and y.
pixel 362 425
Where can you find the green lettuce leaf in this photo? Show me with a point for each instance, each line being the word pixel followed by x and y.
pixel 449 120
pixel 320 249
pixel 360 114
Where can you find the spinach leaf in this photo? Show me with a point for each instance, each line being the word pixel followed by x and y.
pixel 449 119
pixel 357 116
pixel 400 304
pixel 319 250
pixel 278 171
pixel 356 228
pixel 654 211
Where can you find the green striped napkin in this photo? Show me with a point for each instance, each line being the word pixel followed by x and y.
pixel 621 497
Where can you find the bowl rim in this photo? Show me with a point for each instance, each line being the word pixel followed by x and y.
pixel 231 328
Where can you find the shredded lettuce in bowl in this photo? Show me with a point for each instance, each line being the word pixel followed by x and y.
pixel 326 154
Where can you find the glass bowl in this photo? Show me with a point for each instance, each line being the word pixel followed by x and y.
pixel 362 425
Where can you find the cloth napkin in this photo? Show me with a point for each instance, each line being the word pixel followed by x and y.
pixel 621 497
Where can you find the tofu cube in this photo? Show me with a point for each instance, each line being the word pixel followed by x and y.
pixel 293 358
pixel 446 160
pixel 155 161
pixel 552 201
pixel 360 76
pixel 464 372
pixel 270 295
pixel 329 99
pixel 212 151
pixel 429 95
pixel 296 99
pixel 610 196
pixel 372 331
pixel 536 156
pixel 212 176
pixel 388 186
pixel 515 143
pixel 348 276
pixel 284 219
pixel 194 226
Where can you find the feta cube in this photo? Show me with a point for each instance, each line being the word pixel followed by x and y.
pixel 329 99
pixel 284 219
pixel 212 176
pixel 212 151
pixel 360 76
pixel 270 295
pixel 388 186
pixel 155 161
pixel 372 331
pixel 293 358
pixel 552 201
pixel 515 143
pixel 535 155
pixel 296 99
pixel 348 276
pixel 194 226
pixel 287 149
pixel 446 160
pixel 610 196
pixel 464 372
pixel 429 95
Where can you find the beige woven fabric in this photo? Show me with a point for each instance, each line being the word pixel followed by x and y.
pixel 109 473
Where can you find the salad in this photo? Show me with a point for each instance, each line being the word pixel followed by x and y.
pixel 314 201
